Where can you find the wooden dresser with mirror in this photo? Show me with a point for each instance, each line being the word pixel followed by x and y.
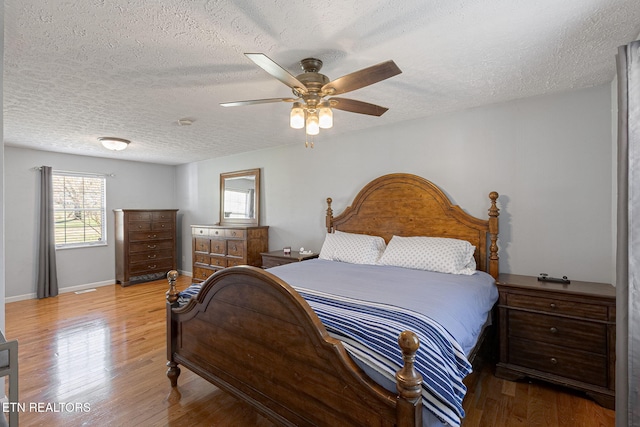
pixel 238 239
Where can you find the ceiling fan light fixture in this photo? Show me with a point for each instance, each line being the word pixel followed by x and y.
pixel 311 109
pixel 296 118
pixel 313 125
pixel 325 116
pixel 114 144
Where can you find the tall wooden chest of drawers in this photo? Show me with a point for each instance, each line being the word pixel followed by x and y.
pixel 561 333
pixel 219 246
pixel 145 244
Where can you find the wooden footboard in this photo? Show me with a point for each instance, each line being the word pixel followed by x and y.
pixel 252 335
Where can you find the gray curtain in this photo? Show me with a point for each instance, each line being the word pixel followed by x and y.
pixel 47 285
pixel 628 238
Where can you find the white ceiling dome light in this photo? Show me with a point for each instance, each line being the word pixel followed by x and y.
pixel 115 144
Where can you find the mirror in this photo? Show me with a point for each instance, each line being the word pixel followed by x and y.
pixel 240 197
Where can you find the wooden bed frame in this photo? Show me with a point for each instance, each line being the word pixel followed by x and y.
pixel 252 335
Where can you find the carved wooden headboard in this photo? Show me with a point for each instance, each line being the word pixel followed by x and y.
pixel 408 205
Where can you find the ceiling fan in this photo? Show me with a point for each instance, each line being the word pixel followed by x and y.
pixel 314 92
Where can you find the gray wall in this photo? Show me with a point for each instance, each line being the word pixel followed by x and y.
pixel 135 185
pixel 550 158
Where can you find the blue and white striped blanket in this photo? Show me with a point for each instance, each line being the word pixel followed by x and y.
pixel 365 326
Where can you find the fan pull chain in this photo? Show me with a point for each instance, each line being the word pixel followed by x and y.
pixel 307 143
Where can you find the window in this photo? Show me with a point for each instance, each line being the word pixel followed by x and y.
pixel 237 203
pixel 79 209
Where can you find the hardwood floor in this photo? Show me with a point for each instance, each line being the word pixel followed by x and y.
pixel 98 359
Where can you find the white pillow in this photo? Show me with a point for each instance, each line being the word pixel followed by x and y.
pixel 438 254
pixel 352 248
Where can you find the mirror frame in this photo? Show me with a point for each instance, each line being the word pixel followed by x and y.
pixel 255 173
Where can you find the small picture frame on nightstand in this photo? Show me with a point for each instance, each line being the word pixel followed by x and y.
pixel 287 250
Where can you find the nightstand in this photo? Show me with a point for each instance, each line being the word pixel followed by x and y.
pixel 275 258
pixel 560 333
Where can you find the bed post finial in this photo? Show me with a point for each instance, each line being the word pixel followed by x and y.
pixel 493 235
pixel 329 220
pixel 409 382
pixel 172 293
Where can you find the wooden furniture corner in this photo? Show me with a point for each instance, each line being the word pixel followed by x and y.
pixel 276 258
pixel 560 333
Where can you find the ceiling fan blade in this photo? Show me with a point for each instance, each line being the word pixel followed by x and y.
pixel 267 64
pixel 354 106
pixel 256 101
pixel 362 78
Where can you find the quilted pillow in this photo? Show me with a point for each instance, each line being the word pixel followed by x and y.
pixel 438 254
pixel 352 248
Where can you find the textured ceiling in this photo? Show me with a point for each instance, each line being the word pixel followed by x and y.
pixel 77 70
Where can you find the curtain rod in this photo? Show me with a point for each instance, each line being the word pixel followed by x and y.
pixel 110 175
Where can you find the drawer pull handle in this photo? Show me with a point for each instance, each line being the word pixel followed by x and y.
pixel 152 246
pixel 139 226
pixel 233 233
pixel 152 237
pixel 216 233
pixel 201 231
pixel 152 266
pixel 554 361
pixel 552 305
pixel 553 330
pixel 151 256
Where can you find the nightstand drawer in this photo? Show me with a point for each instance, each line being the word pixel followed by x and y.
pixel 558 306
pixel 574 364
pixel 570 333
pixel 276 258
pixel 268 262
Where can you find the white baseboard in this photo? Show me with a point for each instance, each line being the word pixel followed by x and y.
pixel 62 290
pixel 78 288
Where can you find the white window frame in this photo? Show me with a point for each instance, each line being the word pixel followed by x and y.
pixel 102 209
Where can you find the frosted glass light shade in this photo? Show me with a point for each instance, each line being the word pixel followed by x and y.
pixel 115 144
pixel 296 119
pixel 325 117
pixel 313 127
